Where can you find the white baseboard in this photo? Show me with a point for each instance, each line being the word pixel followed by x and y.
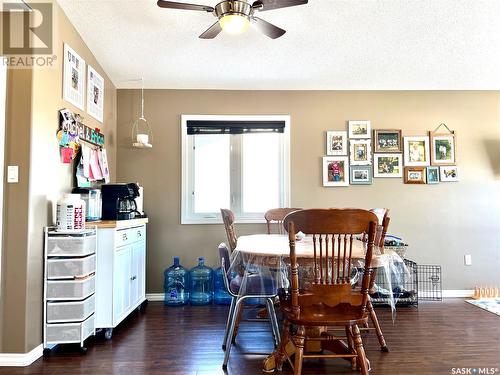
pixel 450 293
pixel 21 359
pixel 155 297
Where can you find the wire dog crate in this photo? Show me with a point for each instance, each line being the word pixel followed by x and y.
pixel 429 283
pixel 403 285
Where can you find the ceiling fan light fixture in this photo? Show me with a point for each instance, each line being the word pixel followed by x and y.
pixel 234 24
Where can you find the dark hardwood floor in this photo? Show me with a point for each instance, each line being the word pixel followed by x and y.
pixel 433 339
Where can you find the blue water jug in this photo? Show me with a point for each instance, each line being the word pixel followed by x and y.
pixel 221 296
pixel 176 285
pixel 201 284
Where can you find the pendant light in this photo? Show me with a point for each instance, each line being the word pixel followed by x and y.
pixel 142 135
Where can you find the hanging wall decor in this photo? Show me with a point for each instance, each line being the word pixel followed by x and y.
pixel 74 78
pixel 142 134
pixel 95 94
pixel 443 146
pixel 335 171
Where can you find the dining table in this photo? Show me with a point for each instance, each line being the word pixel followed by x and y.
pixel 267 255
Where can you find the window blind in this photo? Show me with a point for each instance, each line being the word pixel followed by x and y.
pixel 234 127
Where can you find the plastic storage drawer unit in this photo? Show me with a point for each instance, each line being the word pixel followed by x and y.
pixel 70 311
pixel 70 289
pixel 64 245
pixel 65 333
pixel 60 268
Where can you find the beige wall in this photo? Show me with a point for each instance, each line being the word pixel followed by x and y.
pixel 441 222
pixel 48 178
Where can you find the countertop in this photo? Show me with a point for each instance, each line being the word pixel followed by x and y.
pixel 117 223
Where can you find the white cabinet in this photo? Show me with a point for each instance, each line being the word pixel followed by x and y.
pixel 120 275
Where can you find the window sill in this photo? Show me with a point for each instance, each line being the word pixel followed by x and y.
pixel 204 221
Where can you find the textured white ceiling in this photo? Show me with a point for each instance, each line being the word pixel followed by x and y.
pixel 329 45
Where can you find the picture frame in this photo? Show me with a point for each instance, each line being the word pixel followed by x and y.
pixel 335 171
pixel 74 78
pixel 415 175
pixel 432 175
pixel 361 175
pixel 95 94
pixel 388 165
pixel 336 142
pixel 416 151
pixel 360 129
pixel 448 173
pixel 388 140
pixel 443 148
pixel 360 152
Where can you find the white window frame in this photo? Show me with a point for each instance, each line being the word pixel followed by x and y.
pixel 187 199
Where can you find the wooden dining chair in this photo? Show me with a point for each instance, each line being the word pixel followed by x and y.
pixel 331 300
pixel 228 219
pixel 383 220
pixel 276 216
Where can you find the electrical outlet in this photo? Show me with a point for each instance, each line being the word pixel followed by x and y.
pixel 468 259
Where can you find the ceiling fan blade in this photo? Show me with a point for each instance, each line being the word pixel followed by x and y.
pixel 263 5
pixel 185 6
pixel 267 28
pixel 212 31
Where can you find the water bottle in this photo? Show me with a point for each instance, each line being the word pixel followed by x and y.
pixel 176 291
pixel 221 296
pixel 201 282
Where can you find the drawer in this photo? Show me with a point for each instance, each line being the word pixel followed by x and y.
pixel 70 289
pixel 70 311
pixel 65 333
pixel 75 245
pixel 62 268
pixel 130 235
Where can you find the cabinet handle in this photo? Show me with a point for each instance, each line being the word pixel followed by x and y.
pixel 133 278
pixel 124 236
pixel 139 234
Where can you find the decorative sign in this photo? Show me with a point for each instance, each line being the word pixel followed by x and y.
pixel 95 94
pixel 73 125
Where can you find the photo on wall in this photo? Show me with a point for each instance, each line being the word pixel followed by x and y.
pixel 361 175
pixel 359 129
pixel 360 152
pixel 416 151
pixel 388 140
pixel 432 175
pixel 443 149
pixel 388 165
pixel 335 171
pixel 95 94
pixel 336 142
pixel 448 173
pixel 415 175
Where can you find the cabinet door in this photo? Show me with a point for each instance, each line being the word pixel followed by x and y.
pixel 138 284
pixel 121 285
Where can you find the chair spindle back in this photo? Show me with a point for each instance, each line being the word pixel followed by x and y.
pixel 276 216
pixel 228 219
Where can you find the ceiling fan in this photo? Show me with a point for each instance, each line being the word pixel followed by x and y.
pixel 235 16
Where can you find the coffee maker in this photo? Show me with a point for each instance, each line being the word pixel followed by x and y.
pixel 118 201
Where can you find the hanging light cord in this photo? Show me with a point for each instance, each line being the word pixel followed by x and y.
pixel 142 99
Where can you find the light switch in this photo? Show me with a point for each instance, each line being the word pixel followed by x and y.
pixel 468 259
pixel 12 174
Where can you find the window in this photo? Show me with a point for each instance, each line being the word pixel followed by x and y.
pixel 236 162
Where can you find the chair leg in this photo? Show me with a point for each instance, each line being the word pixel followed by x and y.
pixel 273 321
pixel 238 306
pixel 360 351
pixel 237 318
pixel 376 325
pixel 228 323
pixel 281 353
pixel 350 344
pixel 299 340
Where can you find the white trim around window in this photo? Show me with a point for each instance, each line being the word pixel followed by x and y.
pixel 187 214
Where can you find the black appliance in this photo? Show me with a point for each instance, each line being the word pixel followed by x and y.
pixel 118 201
